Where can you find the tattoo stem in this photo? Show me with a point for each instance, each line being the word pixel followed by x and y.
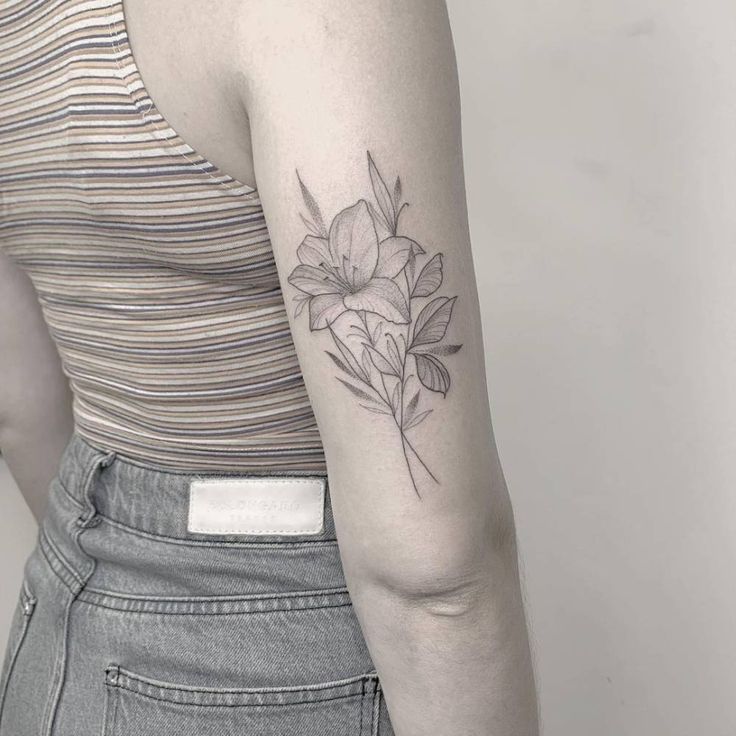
pixel 401 428
pixel 408 464
pixel 418 457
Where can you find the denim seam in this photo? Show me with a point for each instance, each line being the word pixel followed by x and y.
pixel 53 566
pixel 52 707
pixel 216 605
pixel 47 542
pixel 376 718
pixel 231 705
pixel 55 572
pixel 115 708
pixel 362 707
pixel 215 613
pixel 120 673
pixel 19 639
pixel 78 588
pixel 59 676
pixel 105 713
pixel 222 543
pixel 291 594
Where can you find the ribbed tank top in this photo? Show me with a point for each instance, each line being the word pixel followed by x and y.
pixel 153 267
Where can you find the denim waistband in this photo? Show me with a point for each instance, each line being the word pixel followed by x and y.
pixel 156 501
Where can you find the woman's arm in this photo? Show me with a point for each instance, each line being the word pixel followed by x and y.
pixel 378 279
pixel 35 401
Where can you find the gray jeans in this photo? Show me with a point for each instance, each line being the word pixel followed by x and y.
pixel 129 624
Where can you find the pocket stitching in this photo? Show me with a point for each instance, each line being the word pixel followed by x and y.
pixel 238 612
pixel 123 680
pixel 233 705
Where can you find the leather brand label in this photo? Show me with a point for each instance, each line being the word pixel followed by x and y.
pixel 256 505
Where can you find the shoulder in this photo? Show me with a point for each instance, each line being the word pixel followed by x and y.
pixel 324 41
pixel 294 18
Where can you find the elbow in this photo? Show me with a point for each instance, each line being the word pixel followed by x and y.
pixel 456 574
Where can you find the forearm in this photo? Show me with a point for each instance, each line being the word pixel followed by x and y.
pixel 454 662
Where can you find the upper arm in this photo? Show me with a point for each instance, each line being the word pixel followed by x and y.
pixel 378 276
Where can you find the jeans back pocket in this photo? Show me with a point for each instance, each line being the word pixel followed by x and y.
pixel 137 705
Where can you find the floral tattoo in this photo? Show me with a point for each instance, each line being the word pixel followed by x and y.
pixel 369 287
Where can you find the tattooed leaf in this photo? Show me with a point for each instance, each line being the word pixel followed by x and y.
pixel 366 360
pixel 383 229
pixel 357 391
pixel 359 330
pixel 418 419
pixel 341 365
pixel 380 361
pixel 301 302
pixel 310 226
pixel 442 350
pixel 411 407
pixel 411 266
pixel 393 353
pixel 397 193
pixel 432 373
pixel 430 278
pixel 349 358
pixel 418 250
pixel 377 410
pixel 432 321
pixel 382 196
pixel 313 208
pixel 400 210
pixel 395 398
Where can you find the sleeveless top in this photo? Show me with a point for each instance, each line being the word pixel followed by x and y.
pixel 153 267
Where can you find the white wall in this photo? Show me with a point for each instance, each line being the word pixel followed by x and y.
pixel 601 164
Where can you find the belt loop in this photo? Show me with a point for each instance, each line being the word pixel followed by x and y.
pixel 89 517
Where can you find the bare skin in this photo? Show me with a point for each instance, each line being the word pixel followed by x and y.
pixel 430 561
pixel 35 401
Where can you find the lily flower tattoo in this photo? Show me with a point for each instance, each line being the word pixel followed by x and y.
pixel 361 282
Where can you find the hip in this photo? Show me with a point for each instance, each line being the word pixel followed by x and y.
pixel 136 618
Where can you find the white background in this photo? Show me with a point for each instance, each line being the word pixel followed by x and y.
pixel 600 146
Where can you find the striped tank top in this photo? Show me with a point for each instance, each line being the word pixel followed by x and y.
pixel 153 267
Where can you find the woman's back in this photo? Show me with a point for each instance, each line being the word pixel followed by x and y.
pixel 153 267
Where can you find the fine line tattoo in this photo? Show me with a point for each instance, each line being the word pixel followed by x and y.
pixel 362 282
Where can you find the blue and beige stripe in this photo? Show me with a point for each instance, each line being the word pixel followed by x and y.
pixel 153 267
